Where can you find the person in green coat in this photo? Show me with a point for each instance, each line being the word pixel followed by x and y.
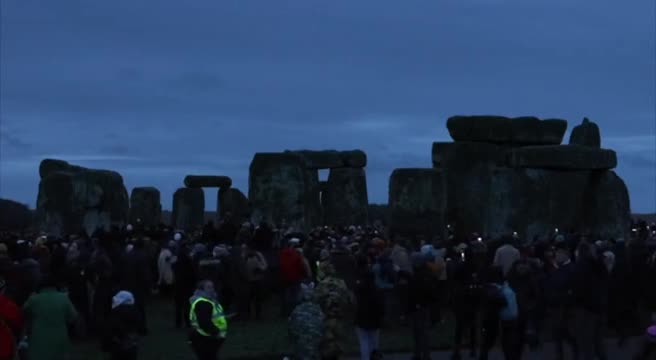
pixel 48 314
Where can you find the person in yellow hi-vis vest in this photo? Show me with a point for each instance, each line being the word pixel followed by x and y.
pixel 209 325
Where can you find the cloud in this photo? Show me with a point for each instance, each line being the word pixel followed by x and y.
pixel 202 88
pixel 13 141
pixel 632 144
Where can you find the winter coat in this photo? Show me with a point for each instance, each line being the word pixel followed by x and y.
pixel 369 309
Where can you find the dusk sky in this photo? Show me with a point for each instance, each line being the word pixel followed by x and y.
pixel 160 89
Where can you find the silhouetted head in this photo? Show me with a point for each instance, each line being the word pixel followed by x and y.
pixel 495 275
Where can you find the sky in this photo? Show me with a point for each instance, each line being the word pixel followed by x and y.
pixel 160 89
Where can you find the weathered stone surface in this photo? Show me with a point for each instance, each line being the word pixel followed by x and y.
pixel 503 130
pixel 145 205
pixel 484 195
pixel 282 188
pixel 233 201
pixel 73 198
pixel 540 200
pixel 332 159
pixel 497 184
pixel 568 157
pixel 188 208
pixel 14 216
pixel 199 181
pixel 345 201
pixel 354 158
pixel 464 155
pixel 417 202
pixel 497 201
pixel 586 134
pixel 325 159
pixel 48 166
pixel 607 206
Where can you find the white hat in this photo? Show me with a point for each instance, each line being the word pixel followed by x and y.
pixel 129 227
pixel 122 297
pixel 177 237
pixel 294 241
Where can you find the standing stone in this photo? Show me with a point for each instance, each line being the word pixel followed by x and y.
pixel 345 201
pixel 233 201
pixel 506 175
pixel 281 188
pixel 72 199
pixel 485 195
pixel 537 201
pixel 417 202
pixel 607 206
pixel 586 134
pixel 145 205
pixel 188 209
pixel 468 168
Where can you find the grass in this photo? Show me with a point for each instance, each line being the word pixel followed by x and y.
pixel 265 339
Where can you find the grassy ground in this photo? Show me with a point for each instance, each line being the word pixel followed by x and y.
pixel 266 339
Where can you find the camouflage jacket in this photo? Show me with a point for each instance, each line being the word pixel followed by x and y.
pixel 306 330
pixel 333 296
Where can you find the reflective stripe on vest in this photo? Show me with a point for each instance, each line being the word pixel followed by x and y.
pixel 218 318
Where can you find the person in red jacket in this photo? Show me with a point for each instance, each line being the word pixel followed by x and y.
pixel 292 273
pixel 11 325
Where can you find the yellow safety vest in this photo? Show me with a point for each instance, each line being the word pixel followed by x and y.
pixel 218 318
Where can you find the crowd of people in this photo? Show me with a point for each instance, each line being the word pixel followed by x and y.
pixel 565 289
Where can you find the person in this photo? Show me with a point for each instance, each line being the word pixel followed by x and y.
pixel 589 294
pixel 101 274
pixel 292 272
pixel 228 229
pixel 647 347
pixel 135 277
pixel 420 297
pixel 48 314
pixel 465 278
pixel 559 298
pixel 256 266
pixel 306 326
pixel 209 325
pixel 184 274
pixel 122 327
pixel 620 306
pixel 369 310
pixel 401 260
pixel 385 278
pixel 500 310
pixel 333 296
pixel 506 255
pixel 344 262
pixel 11 324
pixel 523 281
pixel 165 262
pixel 28 273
